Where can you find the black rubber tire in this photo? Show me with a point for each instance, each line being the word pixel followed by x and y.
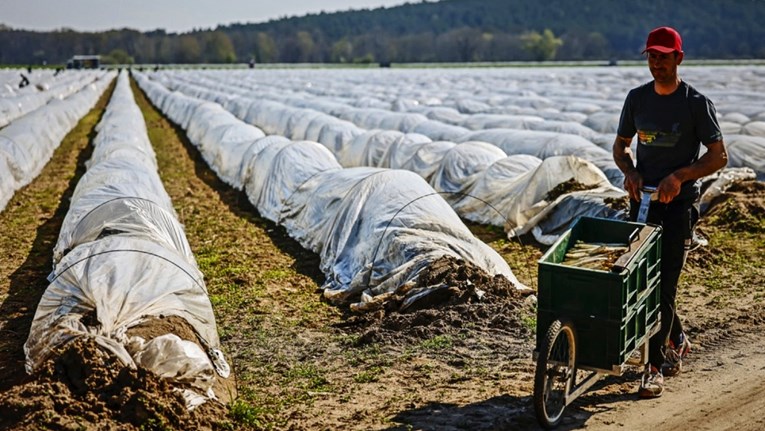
pixel 555 373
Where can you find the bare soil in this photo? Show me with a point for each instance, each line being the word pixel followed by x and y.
pixel 85 388
pixel 458 360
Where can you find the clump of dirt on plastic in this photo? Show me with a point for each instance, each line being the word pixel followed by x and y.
pixel 569 186
pixel 156 326
pixel 618 204
pixel 83 387
pixel 740 209
pixel 461 295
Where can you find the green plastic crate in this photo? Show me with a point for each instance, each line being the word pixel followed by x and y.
pixel 612 311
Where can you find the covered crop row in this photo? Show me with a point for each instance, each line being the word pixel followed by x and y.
pixel 585 102
pixel 511 133
pixel 11 80
pixel 122 261
pixel 479 180
pixel 374 229
pixel 27 143
pixel 17 104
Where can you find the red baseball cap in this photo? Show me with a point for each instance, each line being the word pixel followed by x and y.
pixel 664 40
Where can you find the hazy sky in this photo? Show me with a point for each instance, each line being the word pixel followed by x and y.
pixel 171 15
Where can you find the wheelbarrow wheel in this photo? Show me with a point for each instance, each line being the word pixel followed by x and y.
pixel 555 373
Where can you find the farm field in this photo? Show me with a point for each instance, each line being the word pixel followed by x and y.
pixel 302 362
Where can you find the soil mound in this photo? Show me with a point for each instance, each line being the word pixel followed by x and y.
pixel 463 296
pixel 741 208
pixel 84 387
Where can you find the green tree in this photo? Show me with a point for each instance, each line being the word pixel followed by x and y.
pixel 416 48
pixel 187 50
pixel 342 51
pixel 305 45
pixel 298 48
pixel 461 44
pixel 218 48
pixel 118 56
pixel 165 50
pixel 582 44
pixel 144 49
pixel 597 46
pixel 542 47
pixel 265 48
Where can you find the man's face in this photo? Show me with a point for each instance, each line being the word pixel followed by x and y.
pixel 664 66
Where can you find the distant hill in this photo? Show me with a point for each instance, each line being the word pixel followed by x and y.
pixel 449 30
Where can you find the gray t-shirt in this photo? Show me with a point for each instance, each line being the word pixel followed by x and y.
pixel 670 129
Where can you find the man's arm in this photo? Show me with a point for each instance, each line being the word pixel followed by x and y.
pixel 714 159
pixel 622 152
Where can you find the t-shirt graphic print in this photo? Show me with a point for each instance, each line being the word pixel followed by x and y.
pixel 662 139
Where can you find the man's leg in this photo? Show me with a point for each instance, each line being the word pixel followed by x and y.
pixel 675 219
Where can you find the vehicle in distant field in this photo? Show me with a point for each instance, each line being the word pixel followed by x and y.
pixel 84 62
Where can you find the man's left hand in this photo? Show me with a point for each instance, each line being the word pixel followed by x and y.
pixel 668 188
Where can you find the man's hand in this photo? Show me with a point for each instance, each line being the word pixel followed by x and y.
pixel 668 188
pixel 622 153
pixel 715 158
pixel 633 182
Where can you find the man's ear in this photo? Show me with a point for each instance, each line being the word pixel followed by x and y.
pixel 680 56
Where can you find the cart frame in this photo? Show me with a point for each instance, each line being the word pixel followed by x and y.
pixel 620 310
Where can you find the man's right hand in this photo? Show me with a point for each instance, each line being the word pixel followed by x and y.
pixel 622 153
pixel 633 182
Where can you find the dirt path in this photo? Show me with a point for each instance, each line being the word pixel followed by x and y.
pixel 719 389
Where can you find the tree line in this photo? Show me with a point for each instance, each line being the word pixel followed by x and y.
pixel 445 31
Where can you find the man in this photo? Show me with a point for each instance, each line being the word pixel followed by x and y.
pixel 672 120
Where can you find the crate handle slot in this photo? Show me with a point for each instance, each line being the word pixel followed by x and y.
pixel 635 235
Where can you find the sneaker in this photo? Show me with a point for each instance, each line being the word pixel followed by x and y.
pixel 697 240
pixel 652 383
pixel 674 355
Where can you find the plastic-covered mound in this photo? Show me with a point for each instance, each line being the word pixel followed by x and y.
pixel 463 171
pixel 122 261
pixel 464 295
pixel 85 388
pixel 374 228
pixel 741 208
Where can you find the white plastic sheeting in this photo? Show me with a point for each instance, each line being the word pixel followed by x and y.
pixel 748 152
pixel 222 139
pixel 10 79
pixel 718 183
pixel 374 229
pixel 377 148
pixel 424 159
pixel 460 165
pixel 526 132
pixel 514 192
pixel 17 105
pixel 450 168
pixel 122 257
pixel 549 144
pixel 363 116
pixel 105 287
pixel 280 169
pixel 27 143
pixel 530 204
pixel 451 98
